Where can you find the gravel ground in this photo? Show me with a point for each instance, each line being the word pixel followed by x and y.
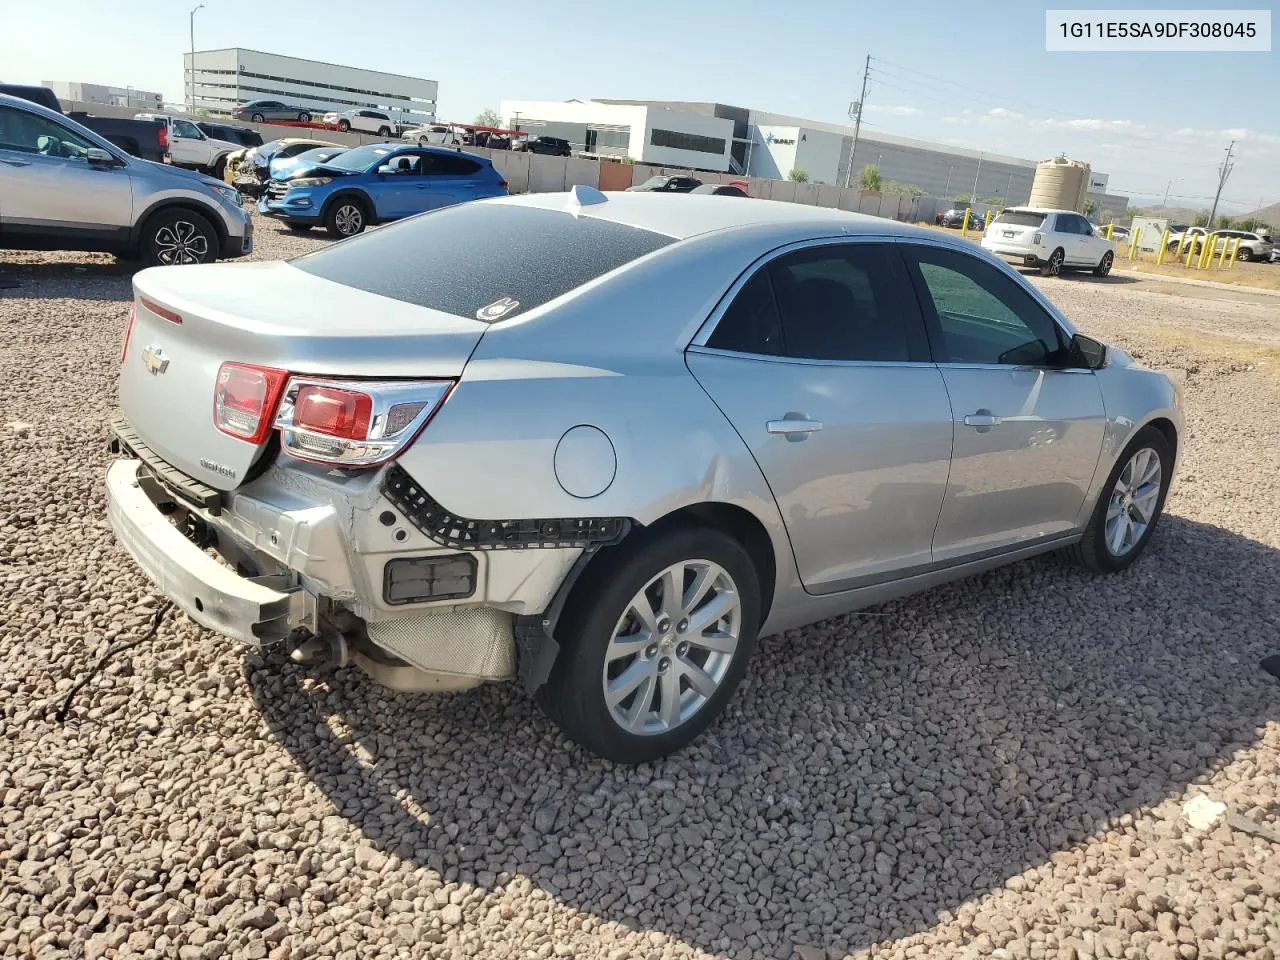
pixel 994 769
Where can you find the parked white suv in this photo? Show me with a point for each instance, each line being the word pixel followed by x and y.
pixel 1253 246
pixel 1052 240
pixel 190 147
pixel 362 121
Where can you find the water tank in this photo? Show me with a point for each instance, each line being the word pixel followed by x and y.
pixel 1060 184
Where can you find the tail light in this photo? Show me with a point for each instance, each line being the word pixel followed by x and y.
pixel 504 185
pixel 128 332
pixel 244 399
pixel 163 134
pixel 355 423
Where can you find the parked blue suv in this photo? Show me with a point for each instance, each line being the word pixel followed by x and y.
pixel 379 182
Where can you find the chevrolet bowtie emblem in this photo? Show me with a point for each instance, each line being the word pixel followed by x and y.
pixel 155 359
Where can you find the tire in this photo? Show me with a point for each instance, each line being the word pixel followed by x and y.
pixel 1094 552
pixel 304 117
pixel 346 217
pixel 258 118
pixel 1104 265
pixel 219 168
pixel 1053 266
pixel 1245 254
pixel 178 236
pixel 384 131
pixel 423 141
pixel 602 605
pixel 344 125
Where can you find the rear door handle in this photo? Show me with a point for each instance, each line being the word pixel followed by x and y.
pixel 983 420
pixel 794 427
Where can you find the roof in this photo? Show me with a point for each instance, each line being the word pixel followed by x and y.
pixel 1042 210
pixel 682 215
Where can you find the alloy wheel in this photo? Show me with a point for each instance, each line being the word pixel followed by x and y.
pixel 348 219
pixel 1104 267
pixel 181 242
pixel 1055 263
pixel 1133 502
pixel 672 647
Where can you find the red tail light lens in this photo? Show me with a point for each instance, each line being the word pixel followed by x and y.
pixel 161 312
pixel 128 332
pixel 244 400
pixel 333 411
pixel 163 134
pixel 504 185
pixel 355 423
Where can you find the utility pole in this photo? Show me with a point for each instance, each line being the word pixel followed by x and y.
pixel 192 106
pixel 1007 187
pixel 855 111
pixel 1224 171
pixel 1172 181
pixel 974 196
pixel 946 191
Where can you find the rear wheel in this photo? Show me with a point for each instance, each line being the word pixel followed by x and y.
pixel 178 236
pixel 346 217
pixel 384 131
pixel 1053 266
pixel 257 118
pixel 653 644
pixel 304 117
pixel 344 125
pixel 1129 506
pixel 1244 253
pixel 1104 266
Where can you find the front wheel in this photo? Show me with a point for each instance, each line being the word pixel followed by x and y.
pixel 384 131
pixel 1244 253
pixel 304 117
pixel 178 236
pixel 257 118
pixel 1129 506
pixel 1053 266
pixel 344 126
pixel 423 141
pixel 653 643
pixel 346 218
pixel 1104 266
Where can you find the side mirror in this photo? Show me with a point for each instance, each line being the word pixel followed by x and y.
pixel 97 157
pixel 1088 353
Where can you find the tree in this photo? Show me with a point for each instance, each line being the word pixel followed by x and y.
pixel 903 189
pixel 1089 207
pixel 1248 224
pixel 488 117
pixel 869 179
pixel 1222 222
pixel 798 176
pixel 1201 219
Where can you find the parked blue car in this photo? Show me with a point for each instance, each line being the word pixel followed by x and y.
pixel 379 182
pixel 282 168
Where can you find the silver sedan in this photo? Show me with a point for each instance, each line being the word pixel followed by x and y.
pixel 599 443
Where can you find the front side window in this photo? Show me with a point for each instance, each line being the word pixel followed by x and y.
pixel 29 133
pixel 979 315
pixel 185 128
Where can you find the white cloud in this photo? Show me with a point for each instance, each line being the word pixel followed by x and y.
pixel 951 120
pixel 894 111
pixel 1004 113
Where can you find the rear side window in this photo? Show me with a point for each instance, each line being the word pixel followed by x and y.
pixel 441 165
pixel 488 261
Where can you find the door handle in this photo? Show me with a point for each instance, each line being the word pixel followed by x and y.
pixel 15 163
pixel 983 419
pixel 795 427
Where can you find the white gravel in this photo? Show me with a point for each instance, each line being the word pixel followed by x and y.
pixel 994 769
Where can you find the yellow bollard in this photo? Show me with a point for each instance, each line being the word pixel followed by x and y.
pixel 1222 257
pixel 964 225
pixel 1191 249
pixel 1235 252
pixel 1133 244
pixel 1164 243
pixel 1110 227
pixel 1206 253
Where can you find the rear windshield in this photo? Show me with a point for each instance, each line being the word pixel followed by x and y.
pixel 1020 218
pixel 488 261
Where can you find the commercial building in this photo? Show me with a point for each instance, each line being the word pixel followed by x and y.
pixel 107 96
pixel 218 80
pixel 729 139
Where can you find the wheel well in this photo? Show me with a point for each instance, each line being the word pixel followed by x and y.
pixel 738 523
pixel 214 220
pixel 346 195
pixel 1169 431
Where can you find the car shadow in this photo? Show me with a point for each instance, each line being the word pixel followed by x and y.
pixel 875 771
pixel 1083 276
pixel 87 277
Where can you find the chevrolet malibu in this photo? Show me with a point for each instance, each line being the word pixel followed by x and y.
pixel 599 443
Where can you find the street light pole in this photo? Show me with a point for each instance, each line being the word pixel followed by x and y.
pixel 191 108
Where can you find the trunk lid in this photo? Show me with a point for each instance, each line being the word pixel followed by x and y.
pixel 272 315
pixel 1016 226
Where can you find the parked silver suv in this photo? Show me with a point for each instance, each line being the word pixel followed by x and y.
pixel 62 187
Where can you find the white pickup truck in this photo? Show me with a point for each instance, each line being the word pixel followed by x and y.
pixel 190 147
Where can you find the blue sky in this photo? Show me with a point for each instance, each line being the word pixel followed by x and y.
pixel 973 74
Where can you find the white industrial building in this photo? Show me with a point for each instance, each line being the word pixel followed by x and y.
pixel 222 79
pixel 105 95
pixel 728 139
